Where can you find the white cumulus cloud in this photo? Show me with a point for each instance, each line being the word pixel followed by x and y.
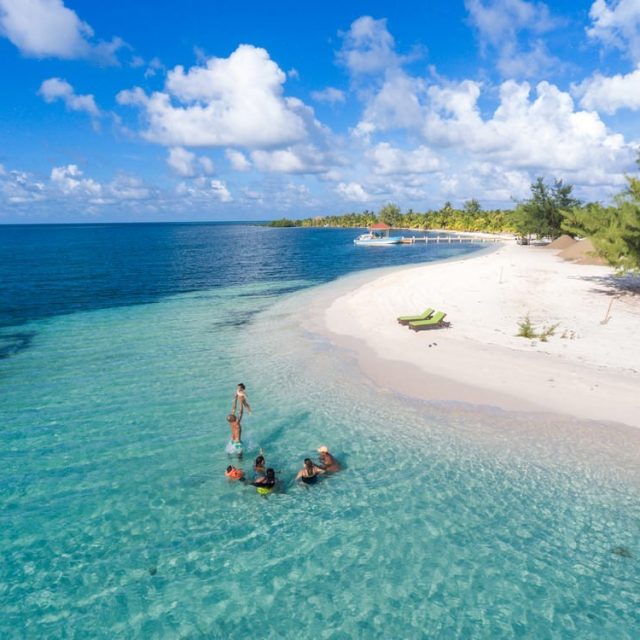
pixel 187 164
pixel 617 25
pixel 540 132
pixel 353 191
pixel 20 188
pixel 205 189
pixel 47 28
pixel 125 187
pixel 69 181
pixel 389 160
pixel 79 195
pixel 397 105
pixel 368 47
pixel 512 28
pixel 206 165
pixel 608 94
pixel 182 162
pixel 58 89
pixel 238 160
pixel 543 132
pixel 298 159
pixel 230 101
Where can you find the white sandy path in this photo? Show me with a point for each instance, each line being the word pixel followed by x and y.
pixel 593 372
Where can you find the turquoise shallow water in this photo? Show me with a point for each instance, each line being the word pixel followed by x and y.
pixel 447 521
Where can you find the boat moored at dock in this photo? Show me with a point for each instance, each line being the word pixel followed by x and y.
pixel 377 235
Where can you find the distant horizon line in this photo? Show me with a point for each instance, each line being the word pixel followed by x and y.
pixel 87 224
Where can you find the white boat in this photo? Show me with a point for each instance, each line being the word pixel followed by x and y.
pixel 378 235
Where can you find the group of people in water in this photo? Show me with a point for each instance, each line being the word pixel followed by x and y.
pixel 265 477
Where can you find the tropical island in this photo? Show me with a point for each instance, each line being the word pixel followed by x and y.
pixel 549 212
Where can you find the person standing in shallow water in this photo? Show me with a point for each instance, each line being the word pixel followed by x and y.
pixel 235 426
pixel 309 472
pixel 240 398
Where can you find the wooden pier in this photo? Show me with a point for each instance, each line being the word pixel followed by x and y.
pixel 448 239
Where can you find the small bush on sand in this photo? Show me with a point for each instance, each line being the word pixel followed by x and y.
pixel 526 329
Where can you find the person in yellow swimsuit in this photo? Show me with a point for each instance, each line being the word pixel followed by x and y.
pixel 264 484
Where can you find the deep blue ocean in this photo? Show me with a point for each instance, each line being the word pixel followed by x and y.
pixel 49 270
pixel 120 349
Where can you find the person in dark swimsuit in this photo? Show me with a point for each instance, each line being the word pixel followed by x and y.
pixel 309 472
pixel 264 485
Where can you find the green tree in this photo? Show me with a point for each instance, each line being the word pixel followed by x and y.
pixel 615 230
pixel 472 207
pixel 390 214
pixel 543 212
pixel 283 222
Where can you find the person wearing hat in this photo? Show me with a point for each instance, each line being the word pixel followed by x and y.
pixel 327 461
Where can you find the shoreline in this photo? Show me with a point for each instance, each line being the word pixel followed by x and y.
pixel 588 369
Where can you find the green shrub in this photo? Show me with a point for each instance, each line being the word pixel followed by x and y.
pixel 526 329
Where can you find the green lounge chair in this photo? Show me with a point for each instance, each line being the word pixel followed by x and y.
pixel 431 323
pixel 425 315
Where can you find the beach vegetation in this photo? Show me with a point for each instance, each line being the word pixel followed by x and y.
pixel 543 213
pixel 472 207
pixel 526 329
pixel 390 214
pixel 614 230
pixel 282 222
pixel 470 218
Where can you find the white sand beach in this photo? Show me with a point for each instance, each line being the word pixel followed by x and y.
pixel 589 368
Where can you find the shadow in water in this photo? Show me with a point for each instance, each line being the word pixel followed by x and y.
pixel 12 344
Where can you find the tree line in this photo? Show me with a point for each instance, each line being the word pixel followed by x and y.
pixel 550 211
pixel 470 218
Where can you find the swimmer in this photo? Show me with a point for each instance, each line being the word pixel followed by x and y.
pixel 264 484
pixel 327 461
pixel 259 465
pixel 241 397
pixel 233 473
pixel 309 472
pixel 235 426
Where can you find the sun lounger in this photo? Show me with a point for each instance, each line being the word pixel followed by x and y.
pixel 425 315
pixel 431 323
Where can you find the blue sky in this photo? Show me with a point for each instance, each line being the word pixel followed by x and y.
pixel 200 110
